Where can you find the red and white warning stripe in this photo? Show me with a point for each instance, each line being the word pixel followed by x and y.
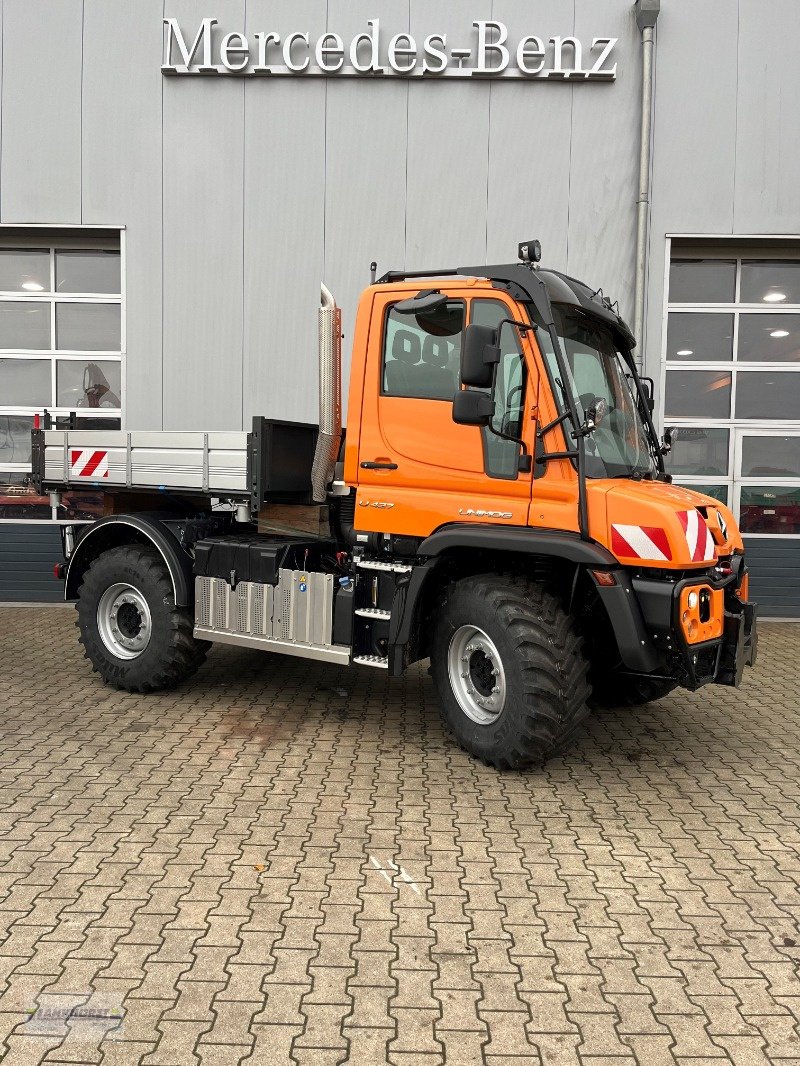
pixel 87 462
pixel 640 542
pixel 698 537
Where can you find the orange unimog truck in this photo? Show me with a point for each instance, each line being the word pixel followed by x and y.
pixel 498 504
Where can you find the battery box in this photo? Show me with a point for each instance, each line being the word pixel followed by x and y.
pixel 256 557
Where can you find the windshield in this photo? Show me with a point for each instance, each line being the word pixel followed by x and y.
pixel 619 445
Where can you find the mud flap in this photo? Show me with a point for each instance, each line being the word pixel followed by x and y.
pixel 750 634
pixel 732 653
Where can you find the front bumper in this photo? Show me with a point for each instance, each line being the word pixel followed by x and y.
pixel 719 661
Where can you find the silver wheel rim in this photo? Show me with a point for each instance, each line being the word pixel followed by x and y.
pixel 476 674
pixel 123 621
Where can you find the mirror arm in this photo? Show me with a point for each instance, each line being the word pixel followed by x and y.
pixel 552 425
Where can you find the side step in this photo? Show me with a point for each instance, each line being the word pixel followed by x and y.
pixel 380 661
pixel 377 564
pixel 373 612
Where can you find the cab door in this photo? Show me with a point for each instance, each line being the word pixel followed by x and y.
pixel 418 469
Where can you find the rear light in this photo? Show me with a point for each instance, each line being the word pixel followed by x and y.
pixel 59 571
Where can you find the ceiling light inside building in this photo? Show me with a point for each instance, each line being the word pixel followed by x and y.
pixel 774 297
pixel 685 351
pixel 779 333
pixel 32 286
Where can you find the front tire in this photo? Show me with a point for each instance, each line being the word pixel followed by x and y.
pixel 131 631
pixel 509 667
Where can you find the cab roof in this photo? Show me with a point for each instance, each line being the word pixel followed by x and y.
pixel 540 287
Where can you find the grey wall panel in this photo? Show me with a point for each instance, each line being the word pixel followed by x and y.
pixel 695 117
pixel 774 575
pixel 694 139
pixel 27 554
pixel 121 137
pixel 40 171
pixel 203 148
pixel 448 131
pixel 768 120
pixel 604 161
pixel 365 151
pixel 284 212
pixel 529 144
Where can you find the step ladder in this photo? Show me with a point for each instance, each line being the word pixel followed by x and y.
pixel 376 587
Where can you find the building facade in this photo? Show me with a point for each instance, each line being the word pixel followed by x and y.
pixel 176 178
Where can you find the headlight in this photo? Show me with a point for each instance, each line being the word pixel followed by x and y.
pixel 692 600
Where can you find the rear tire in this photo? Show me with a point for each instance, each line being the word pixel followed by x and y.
pixel 132 632
pixel 509 667
pixel 618 690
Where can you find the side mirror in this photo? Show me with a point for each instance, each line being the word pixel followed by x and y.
pixel 647 385
pixel 479 355
pixel 472 408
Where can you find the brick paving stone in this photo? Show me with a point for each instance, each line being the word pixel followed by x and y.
pixel 204 861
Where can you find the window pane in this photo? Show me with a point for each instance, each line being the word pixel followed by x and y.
pixel 89 271
pixel 702 281
pixel 763 394
pixel 422 353
pixel 25 383
pixel 502 456
pixel 15 439
pixel 770 282
pixel 771 456
pixel 718 492
pixel 769 338
pixel 769 509
pixel 24 271
pixel 697 451
pixel 92 327
pixel 701 338
pixel 87 384
pixel 24 325
pixel 698 393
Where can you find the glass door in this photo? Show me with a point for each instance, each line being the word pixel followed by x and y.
pixel 766 482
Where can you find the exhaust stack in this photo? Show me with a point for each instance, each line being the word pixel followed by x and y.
pixel 330 396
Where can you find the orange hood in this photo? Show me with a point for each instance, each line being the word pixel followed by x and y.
pixel 650 523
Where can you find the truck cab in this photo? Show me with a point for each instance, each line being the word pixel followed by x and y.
pixel 499 505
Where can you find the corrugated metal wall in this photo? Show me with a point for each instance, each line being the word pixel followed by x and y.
pixel 239 196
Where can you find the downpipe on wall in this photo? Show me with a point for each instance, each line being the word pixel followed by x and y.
pixel 647 12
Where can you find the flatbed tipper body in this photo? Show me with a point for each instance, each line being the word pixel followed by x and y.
pixel 213 463
pixel 271 463
pixel 499 505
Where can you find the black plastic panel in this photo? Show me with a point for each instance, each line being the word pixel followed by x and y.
pixel 255 557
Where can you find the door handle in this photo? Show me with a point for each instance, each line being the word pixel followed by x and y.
pixel 378 466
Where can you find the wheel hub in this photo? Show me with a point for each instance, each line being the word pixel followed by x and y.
pixel 124 621
pixel 476 675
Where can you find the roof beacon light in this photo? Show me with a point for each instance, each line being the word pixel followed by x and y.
pixel 530 251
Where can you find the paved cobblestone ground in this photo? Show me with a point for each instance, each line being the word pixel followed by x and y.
pixel 291 863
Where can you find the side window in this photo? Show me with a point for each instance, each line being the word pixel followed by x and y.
pixel 422 353
pixel 509 393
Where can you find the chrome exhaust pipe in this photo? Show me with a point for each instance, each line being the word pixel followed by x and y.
pixel 330 396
